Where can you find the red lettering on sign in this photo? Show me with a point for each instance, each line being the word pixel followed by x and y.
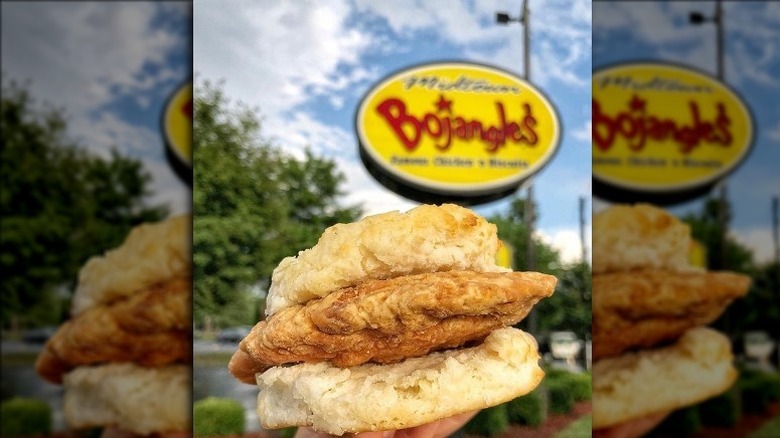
pixel 410 129
pixel 636 126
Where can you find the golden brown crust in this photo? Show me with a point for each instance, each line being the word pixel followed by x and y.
pixel 152 253
pixel 386 321
pixel 428 238
pixel 150 328
pixel 641 236
pixel 645 308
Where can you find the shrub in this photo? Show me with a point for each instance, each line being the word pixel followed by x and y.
pixel 25 417
pixel 288 432
pixel 217 416
pixel 580 386
pixel 561 396
pixel 724 410
pixel 682 422
pixel 530 409
pixel 489 422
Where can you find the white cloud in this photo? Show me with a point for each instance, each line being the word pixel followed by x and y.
pixel 752 33
pixel 773 133
pixel 301 130
pixel 759 240
pixel 584 132
pixel 278 54
pixel 567 242
pixel 82 57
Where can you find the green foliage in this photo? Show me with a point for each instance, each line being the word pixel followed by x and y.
pixel 569 308
pixel 561 397
pixel 682 422
pixel 725 410
pixel 489 422
pixel 530 409
pixel 25 417
pixel 59 205
pixel 215 416
pixel 707 228
pixel 759 390
pixel 581 428
pixel 580 386
pixel 288 432
pixel 253 206
pixel 770 429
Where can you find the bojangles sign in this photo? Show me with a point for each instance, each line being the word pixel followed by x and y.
pixel 455 132
pixel 664 133
pixel 176 125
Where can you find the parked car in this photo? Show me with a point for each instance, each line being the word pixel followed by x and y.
pixel 38 335
pixel 233 335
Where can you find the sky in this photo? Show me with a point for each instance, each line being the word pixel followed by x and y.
pixel 306 64
pixel 110 66
pixel 660 30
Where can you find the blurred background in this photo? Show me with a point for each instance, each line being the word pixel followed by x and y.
pixel 83 158
pixel 735 225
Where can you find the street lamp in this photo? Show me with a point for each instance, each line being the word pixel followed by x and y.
pixel 697 18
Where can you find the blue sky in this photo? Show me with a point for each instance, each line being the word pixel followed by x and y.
pixel 111 66
pixel 306 64
pixel 660 30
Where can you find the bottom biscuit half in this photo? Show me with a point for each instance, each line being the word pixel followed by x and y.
pixel 417 391
pixel 696 367
pixel 129 397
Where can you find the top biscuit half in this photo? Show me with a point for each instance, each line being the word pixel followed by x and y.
pixel 425 239
pixel 151 254
pixel 641 236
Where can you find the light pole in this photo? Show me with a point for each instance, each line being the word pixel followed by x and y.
pixel 503 18
pixel 698 18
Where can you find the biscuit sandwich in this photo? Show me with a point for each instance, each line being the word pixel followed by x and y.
pixel 390 322
pixel 652 351
pixel 123 356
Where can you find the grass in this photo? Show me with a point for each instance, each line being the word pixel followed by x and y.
pixel 770 429
pixel 580 428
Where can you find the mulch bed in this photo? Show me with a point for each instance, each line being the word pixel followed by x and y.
pixel 748 424
pixel 554 423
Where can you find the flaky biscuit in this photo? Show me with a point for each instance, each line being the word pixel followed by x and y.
pixel 416 391
pixel 151 327
pixel 425 239
pixel 643 308
pixel 641 236
pixel 389 320
pixel 129 397
pixel 151 254
pixel 698 366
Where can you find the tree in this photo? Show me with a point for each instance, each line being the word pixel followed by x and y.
pixel 707 229
pixel 60 205
pixel 253 206
pixel 569 308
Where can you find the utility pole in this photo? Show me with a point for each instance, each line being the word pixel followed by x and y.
pixel 775 229
pixel 530 213
pixel 717 19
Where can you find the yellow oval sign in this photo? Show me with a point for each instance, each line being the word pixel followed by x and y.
pixel 664 132
pixel 177 130
pixel 455 131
